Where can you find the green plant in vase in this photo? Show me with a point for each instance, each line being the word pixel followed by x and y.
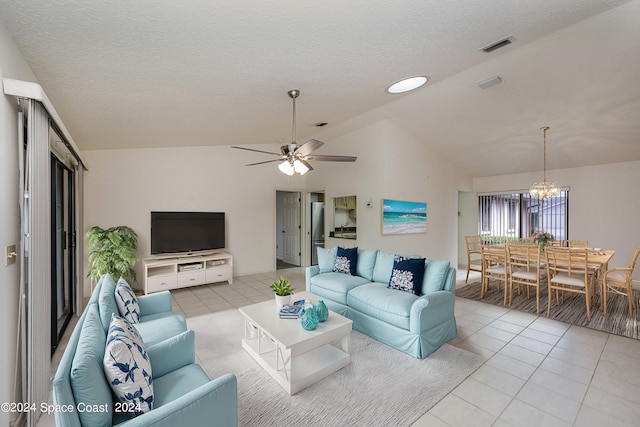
pixel 113 251
pixel 283 289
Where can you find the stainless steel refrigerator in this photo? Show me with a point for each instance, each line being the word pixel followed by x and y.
pixel 317 230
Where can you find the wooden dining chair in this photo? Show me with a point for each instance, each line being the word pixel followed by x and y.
pixel 525 269
pixel 474 254
pixel 568 271
pixel 494 266
pixel 618 281
pixel 527 240
pixel 577 243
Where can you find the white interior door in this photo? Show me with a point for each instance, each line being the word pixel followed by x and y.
pixel 291 228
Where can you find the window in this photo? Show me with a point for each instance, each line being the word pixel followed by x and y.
pixel 511 216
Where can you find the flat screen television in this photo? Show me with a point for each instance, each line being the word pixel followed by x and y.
pixel 173 232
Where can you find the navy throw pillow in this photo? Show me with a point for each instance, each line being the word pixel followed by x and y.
pixel 407 274
pixel 346 260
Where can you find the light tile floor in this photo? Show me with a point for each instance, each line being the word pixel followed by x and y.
pixel 538 372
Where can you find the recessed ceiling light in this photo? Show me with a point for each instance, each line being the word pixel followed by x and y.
pixel 407 84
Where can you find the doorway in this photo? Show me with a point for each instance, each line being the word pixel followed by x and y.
pixel 316 212
pixel 288 229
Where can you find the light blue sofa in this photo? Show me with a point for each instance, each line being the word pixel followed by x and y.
pixel 416 325
pixel 183 392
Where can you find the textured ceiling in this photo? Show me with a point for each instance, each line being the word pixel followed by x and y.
pixel 126 74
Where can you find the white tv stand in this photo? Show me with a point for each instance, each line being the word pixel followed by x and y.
pixel 174 271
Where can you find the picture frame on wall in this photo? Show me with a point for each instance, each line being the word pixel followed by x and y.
pixel 402 217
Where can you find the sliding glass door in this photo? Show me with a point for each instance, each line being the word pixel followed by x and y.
pixel 62 248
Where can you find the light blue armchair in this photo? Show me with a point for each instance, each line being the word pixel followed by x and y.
pixel 183 392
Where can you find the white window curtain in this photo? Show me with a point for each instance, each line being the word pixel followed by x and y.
pixel 34 350
pixel 38 257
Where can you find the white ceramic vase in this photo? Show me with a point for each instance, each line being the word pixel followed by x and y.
pixel 282 300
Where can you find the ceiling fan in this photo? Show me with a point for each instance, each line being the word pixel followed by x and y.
pixel 293 157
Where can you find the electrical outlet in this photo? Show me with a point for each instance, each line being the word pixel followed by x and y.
pixel 10 254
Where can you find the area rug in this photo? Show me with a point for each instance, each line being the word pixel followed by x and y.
pixel 381 387
pixel 572 311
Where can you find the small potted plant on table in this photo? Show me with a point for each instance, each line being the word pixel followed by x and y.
pixel 283 289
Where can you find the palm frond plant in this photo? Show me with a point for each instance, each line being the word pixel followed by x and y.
pixel 112 251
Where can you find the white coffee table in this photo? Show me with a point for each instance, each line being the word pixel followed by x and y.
pixel 294 357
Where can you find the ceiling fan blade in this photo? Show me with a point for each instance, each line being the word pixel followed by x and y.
pixel 266 161
pixel 257 151
pixel 327 158
pixel 304 162
pixel 308 147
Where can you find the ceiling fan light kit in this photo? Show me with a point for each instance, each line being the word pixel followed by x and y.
pixel 293 157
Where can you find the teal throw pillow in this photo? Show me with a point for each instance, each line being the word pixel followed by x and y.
pixel 366 263
pixel 326 259
pixel 384 265
pixel 434 274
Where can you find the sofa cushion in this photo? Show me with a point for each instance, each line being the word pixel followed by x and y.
pixel 88 382
pixel 434 274
pixel 346 260
pixel 366 263
pixel 384 265
pixel 389 305
pixel 107 301
pixel 128 368
pixel 326 259
pixel 335 286
pixel 407 274
pixel 127 301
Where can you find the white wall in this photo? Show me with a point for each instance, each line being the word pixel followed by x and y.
pixel 12 65
pixel 391 165
pixel 122 187
pixel 603 204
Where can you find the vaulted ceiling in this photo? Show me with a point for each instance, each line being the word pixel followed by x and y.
pixel 126 74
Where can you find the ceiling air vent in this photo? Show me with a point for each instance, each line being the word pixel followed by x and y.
pixel 497 45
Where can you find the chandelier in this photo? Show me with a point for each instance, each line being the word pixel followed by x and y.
pixel 544 189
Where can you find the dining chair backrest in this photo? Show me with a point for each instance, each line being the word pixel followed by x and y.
pixel 523 256
pixel 473 243
pixel 570 261
pixel 527 240
pixel 632 264
pixel 577 243
pixel 493 255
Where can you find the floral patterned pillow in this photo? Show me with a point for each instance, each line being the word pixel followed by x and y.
pixel 127 366
pixel 346 260
pixel 407 274
pixel 127 302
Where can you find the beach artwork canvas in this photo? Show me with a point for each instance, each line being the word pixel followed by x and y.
pixel 399 217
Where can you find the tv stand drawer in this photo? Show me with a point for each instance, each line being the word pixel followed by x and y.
pixel 191 278
pixel 161 283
